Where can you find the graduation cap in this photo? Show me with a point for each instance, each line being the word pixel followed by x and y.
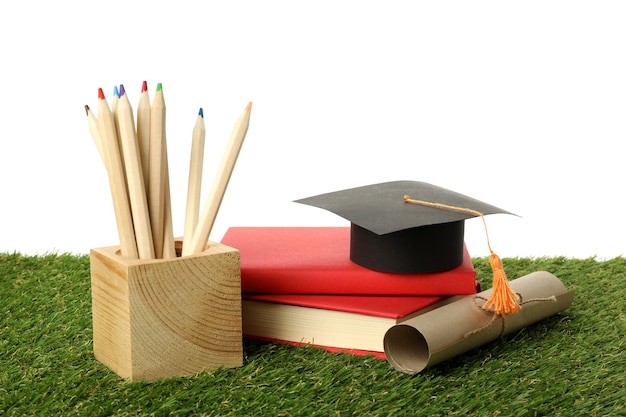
pixel 390 234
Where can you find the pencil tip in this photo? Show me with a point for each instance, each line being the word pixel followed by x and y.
pixel 201 113
pixel 159 87
pixel 116 92
pixel 122 90
pixel 87 109
pixel 100 94
pixel 249 106
pixel 144 87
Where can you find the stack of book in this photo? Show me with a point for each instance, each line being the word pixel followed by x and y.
pixel 299 286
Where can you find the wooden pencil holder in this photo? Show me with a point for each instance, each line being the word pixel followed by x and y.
pixel 156 319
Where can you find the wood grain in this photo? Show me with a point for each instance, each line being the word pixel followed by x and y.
pixel 157 318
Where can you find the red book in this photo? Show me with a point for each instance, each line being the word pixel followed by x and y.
pixel 316 260
pixel 354 324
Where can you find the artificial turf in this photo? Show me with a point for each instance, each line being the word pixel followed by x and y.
pixel 571 364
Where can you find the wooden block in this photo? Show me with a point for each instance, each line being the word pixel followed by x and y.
pixel 160 318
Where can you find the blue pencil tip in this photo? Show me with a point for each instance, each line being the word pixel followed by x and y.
pixel 116 92
pixel 201 113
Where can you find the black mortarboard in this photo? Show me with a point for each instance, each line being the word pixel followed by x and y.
pixel 390 235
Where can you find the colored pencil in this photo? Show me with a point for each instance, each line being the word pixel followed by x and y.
pixel 117 181
pixel 220 182
pixel 114 101
pixel 156 181
pixel 195 178
pixel 134 176
pixel 169 248
pixel 114 104
pixel 92 122
pixel 143 133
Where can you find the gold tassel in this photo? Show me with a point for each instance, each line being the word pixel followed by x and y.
pixel 502 300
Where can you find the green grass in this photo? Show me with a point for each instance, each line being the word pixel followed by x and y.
pixel 571 364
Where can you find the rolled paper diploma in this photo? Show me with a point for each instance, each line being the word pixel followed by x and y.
pixel 462 325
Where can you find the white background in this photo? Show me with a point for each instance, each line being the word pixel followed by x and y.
pixel 519 104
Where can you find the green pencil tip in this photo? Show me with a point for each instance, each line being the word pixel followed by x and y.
pixel 159 87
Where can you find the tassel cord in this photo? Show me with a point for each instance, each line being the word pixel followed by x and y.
pixel 502 300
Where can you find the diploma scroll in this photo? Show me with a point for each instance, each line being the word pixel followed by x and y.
pixel 462 325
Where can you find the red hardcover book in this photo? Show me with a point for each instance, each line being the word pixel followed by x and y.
pixel 354 324
pixel 316 260
pixel 358 352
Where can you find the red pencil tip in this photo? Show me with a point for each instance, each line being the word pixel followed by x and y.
pixel 144 87
pixel 100 94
